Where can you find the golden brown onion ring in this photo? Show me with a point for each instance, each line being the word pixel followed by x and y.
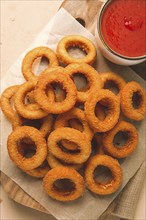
pixel 29 111
pixel 76 125
pixel 92 76
pixel 6 105
pixel 126 149
pixel 76 41
pixel 75 113
pixel 113 104
pixel 103 188
pixel 38 172
pixel 32 55
pixel 75 136
pixel 63 173
pixel 55 75
pixel 63 120
pixel 44 125
pixel 135 113
pixel 73 123
pixel 115 79
pixel 54 162
pixel 33 134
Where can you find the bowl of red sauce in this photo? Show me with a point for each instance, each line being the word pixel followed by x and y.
pixel 121 31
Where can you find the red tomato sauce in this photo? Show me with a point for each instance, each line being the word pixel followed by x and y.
pixel 123 27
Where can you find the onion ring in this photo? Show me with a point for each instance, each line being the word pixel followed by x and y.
pixel 113 103
pixel 38 172
pixel 61 173
pixel 103 188
pixel 73 123
pixel 34 54
pixel 90 74
pixel 126 149
pixel 54 162
pixel 41 149
pixel 127 107
pixel 110 77
pixel 63 119
pixel 44 125
pixel 29 111
pixel 74 136
pixel 6 106
pixel 50 76
pixel 76 41
pixel 101 114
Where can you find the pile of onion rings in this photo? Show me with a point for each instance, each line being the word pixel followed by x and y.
pixel 61 132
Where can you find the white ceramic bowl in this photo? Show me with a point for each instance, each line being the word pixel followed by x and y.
pixel 107 51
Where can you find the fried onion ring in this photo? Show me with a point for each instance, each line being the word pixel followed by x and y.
pixel 99 187
pixel 126 149
pixel 54 162
pixel 63 120
pixel 34 54
pixel 74 136
pixel 44 125
pixel 113 104
pixel 6 106
pixel 115 79
pixel 92 76
pixel 127 94
pixel 62 173
pixel 76 41
pixel 38 172
pixel 41 149
pixel 56 75
pixel 73 123
pixel 75 113
pixel 29 111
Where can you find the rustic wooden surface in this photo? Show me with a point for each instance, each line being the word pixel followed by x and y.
pixel 18 194
pixel 86 13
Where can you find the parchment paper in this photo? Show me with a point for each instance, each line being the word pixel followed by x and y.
pixel 90 206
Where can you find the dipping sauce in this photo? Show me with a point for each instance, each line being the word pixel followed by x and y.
pixel 123 27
